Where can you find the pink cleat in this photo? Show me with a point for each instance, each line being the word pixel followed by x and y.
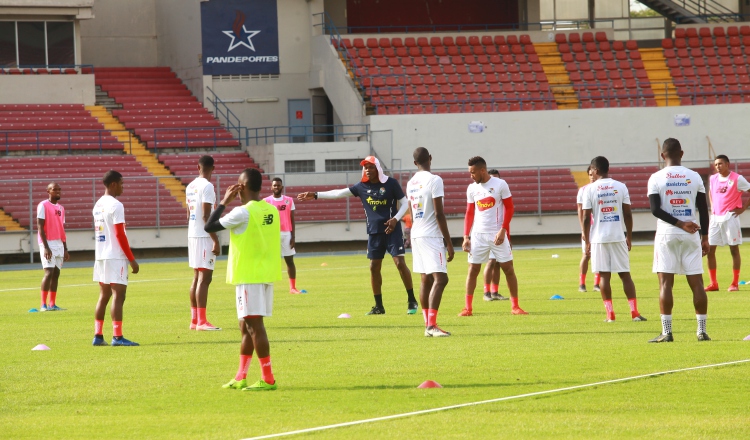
pixel 193 325
pixel 207 327
pixel 465 312
pixel 295 292
pixel 517 311
pixel 713 287
pixel 733 288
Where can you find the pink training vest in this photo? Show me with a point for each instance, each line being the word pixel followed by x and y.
pixel 54 218
pixel 725 196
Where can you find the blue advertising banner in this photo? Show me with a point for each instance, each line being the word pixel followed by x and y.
pixel 240 37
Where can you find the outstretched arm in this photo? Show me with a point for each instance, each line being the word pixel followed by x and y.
pixel 332 194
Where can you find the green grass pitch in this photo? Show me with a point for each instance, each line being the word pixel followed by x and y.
pixel 333 370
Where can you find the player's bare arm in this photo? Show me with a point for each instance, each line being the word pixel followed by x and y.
pixel 47 250
pixel 443 225
pixel 627 215
pixel 586 229
pixel 739 211
pixel 215 238
pixel 66 255
pixel 294 227
pixel 468 224
pixel 702 206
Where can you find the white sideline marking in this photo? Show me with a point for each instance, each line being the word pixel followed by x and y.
pixel 482 402
pixel 187 278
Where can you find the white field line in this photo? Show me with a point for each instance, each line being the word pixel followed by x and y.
pixel 187 278
pixel 482 402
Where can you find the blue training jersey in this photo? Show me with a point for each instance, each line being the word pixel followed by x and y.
pixel 380 202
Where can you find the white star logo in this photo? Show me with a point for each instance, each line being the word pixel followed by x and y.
pixel 233 44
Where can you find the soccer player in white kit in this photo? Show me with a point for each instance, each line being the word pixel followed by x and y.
pixel 674 194
pixel 606 203
pixel 285 206
pixel 203 247
pixel 430 240
pixel 492 270
pixel 50 220
pixel 489 210
pixel 725 192
pixel 584 265
pixel 113 255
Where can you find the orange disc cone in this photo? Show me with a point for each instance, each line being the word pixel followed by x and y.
pixel 430 384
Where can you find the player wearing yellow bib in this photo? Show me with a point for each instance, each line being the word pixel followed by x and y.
pixel 253 266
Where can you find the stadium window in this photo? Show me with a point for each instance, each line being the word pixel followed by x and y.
pixel 37 43
pixel 342 165
pixel 299 166
pixel 60 43
pixel 32 47
pixel 7 43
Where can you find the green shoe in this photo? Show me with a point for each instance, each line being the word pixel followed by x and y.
pixel 260 386
pixel 235 384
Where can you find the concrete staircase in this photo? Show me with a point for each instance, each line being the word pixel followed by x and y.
pixel 134 147
pixel 557 77
pixel 8 223
pixel 662 83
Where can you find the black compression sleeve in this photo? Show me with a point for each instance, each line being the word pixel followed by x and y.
pixel 213 225
pixel 655 202
pixel 702 204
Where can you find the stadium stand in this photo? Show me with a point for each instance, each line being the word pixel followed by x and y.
pixel 636 179
pixel 45 127
pixel 710 65
pixel 160 110
pixel 80 179
pixel 443 75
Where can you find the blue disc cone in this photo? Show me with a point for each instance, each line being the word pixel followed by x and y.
pixel 556 297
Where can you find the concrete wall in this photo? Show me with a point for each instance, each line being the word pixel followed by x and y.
pixel 48 89
pixel 178 42
pixel 328 72
pixel 319 151
pixel 123 33
pixel 549 138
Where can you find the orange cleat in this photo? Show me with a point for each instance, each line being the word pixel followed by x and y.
pixel 713 287
pixel 465 312
pixel 517 311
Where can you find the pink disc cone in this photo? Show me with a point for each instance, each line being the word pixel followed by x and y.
pixel 430 384
pixel 40 347
pixel 747 338
pixel 345 315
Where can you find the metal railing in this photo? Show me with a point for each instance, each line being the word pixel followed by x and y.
pixel 708 8
pixel 715 18
pixel 178 138
pixel 305 133
pixel 35 69
pixel 38 141
pixel 231 121
pixel 523 26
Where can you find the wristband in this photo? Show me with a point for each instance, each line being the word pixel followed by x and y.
pixel 315 194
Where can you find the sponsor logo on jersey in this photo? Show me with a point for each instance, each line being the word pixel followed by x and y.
pixel 485 203
pixel 381 191
pixel 609 209
pixel 677 183
pixel 604 187
pixel 669 192
pixel 675 176
pixel 375 203
pixel 679 201
pixel 419 215
pixel 610 218
pixel 606 194
pixel 682 212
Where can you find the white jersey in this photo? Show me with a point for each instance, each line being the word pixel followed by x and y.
pixel 579 197
pixel 487 199
pixel 108 212
pixel 678 187
pixel 420 190
pixel 605 198
pixel 199 191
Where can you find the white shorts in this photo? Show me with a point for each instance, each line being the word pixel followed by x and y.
pixel 111 271
pixel 200 255
pixel 678 254
pixel 483 248
pixel 610 257
pixel 286 241
pixel 428 255
pixel 254 300
pixel 725 233
pixel 58 254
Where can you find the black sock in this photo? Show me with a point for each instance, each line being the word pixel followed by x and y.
pixel 99 336
pixel 410 293
pixel 379 300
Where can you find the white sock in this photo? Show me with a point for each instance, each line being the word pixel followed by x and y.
pixel 666 324
pixel 701 323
